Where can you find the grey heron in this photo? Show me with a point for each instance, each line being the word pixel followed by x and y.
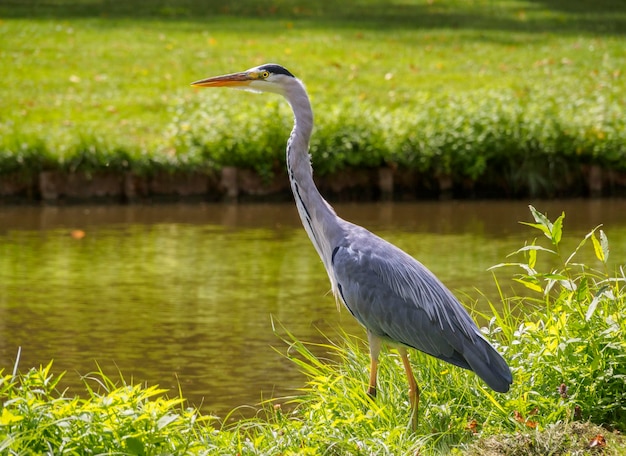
pixel 397 299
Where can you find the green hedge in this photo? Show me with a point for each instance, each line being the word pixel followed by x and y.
pixel 529 142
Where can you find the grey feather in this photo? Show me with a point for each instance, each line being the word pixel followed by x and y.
pixel 398 299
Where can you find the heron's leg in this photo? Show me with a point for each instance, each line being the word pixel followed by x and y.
pixel 374 342
pixel 414 391
pixel 371 389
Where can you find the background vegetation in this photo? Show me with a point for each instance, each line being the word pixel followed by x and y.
pixel 564 340
pixel 519 95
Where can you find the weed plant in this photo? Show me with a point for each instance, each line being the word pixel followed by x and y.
pixel 575 346
pixel 564 338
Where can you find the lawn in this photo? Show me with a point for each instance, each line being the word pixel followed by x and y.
pixel 83 77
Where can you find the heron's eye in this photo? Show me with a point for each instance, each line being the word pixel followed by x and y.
pixel 265 74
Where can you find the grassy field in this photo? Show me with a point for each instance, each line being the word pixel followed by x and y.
pixel 83 76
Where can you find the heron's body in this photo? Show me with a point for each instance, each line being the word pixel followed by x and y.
pixel 391 294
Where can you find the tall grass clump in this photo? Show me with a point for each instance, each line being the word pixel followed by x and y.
pixel 37 418
pixel 93 153
pixel 24 156
pixel 570 348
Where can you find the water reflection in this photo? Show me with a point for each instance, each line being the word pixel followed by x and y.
pixel 185 293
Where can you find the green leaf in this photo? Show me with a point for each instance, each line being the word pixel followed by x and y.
pixel 583 289
pixel 592 308
pixel 531 285
pixel 532 258
pixel 541 220
pixel 532 247
pixel 604 242
pixel 541 227
pixel 166 419
pixel 554 276
pixel 135 446
pixel 7 417
pixel 557 229
pixel 597 248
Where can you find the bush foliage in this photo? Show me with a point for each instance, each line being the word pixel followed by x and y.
pixel 528 143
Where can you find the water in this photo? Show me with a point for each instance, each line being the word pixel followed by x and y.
pixel 186 294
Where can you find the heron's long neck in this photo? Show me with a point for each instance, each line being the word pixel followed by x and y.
pixel 318 217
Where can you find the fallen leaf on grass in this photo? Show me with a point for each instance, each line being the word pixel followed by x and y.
pixel 520 419
pixel 77 234
pixel 598 442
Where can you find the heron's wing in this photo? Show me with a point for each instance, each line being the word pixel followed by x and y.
pixel 397 298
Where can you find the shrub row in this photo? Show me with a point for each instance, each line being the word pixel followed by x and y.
pixel 524 143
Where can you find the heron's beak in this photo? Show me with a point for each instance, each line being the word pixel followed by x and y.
pixel 229 80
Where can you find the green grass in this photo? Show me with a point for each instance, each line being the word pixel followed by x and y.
pixel 564 338
pixel 450 86
pixel 128 419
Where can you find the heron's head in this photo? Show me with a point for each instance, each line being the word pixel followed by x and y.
pixel 265 78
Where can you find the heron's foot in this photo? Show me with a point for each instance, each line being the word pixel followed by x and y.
pixel 371 392
pixel 414 398
pixel 414 418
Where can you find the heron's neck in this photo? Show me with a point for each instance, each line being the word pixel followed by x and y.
pixel 318 217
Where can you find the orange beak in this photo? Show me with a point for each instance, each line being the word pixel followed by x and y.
pixel 228 80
